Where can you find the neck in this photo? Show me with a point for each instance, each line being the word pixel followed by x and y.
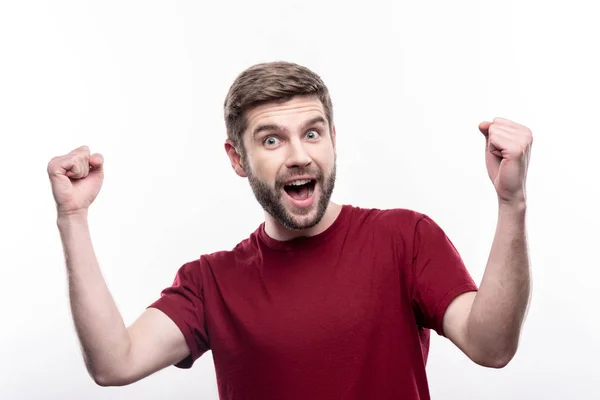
pixel 274 229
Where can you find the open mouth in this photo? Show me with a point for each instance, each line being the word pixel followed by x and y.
pixel 300 189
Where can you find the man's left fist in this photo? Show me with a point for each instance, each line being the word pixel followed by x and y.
pixel 507 153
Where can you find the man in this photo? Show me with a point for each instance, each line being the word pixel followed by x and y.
pixel 322 301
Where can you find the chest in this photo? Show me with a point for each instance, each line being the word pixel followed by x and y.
pixel 292 305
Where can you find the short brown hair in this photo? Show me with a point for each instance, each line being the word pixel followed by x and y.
pixel 276 81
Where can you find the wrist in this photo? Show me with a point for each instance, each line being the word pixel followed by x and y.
pixel 513 206
pixel 71 218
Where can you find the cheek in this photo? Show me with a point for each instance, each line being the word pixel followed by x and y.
pixel 265 168
pixel 326 158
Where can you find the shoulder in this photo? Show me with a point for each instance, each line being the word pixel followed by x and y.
pixel 243 252
pixel 195 272
pixel 395 219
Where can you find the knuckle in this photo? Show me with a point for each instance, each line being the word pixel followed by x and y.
pixel 81 158
pixel 53 163
pixel 80 150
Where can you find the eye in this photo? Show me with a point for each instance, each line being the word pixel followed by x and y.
pixel 270 141
pixel 312 134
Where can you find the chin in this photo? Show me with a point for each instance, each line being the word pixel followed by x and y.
pixel 305 221
pixel 293 211
pixel 301 218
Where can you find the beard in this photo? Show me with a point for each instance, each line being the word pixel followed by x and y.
pixel 270 198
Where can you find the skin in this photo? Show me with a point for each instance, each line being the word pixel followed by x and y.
pixel 117 355
pixel 291 148
pixel 485 325
pixel 114 354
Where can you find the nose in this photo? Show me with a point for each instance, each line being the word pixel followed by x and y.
pixel 298 157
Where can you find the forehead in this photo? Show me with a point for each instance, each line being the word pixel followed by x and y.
pixel 292 112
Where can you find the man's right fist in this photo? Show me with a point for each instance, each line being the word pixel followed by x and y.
pixel 76 180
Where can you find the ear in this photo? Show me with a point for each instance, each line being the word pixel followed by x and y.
pixel 333 137
pixel 235 158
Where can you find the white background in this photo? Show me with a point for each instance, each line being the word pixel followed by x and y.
pixel 143 83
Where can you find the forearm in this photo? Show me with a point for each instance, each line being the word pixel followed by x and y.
pixel 99 325
pixel 499 308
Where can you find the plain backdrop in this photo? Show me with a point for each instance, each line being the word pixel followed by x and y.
pixel 143 83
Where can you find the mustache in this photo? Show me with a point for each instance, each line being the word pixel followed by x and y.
pixel 317 174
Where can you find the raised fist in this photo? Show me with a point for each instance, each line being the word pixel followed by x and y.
pixel 76 180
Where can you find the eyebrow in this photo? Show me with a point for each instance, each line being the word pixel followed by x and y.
pixel 275 127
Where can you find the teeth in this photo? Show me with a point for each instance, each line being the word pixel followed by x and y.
pixel 298 182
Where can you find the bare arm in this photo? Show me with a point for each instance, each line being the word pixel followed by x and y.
pixel 114 355
pixel 487 325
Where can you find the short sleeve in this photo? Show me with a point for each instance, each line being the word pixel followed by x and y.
pixel 438 274
pixel 183 303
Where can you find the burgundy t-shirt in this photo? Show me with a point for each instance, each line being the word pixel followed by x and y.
pixel 345 314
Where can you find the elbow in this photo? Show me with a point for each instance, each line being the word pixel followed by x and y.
pixel 107 378
pixel 497 362
pixel 115 374
pixel 496 359
pixel 108 381
pixel 101 380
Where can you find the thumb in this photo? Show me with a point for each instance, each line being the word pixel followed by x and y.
pixel 484 127
pixel 96 161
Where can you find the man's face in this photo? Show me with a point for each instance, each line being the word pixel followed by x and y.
pixel 290 160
